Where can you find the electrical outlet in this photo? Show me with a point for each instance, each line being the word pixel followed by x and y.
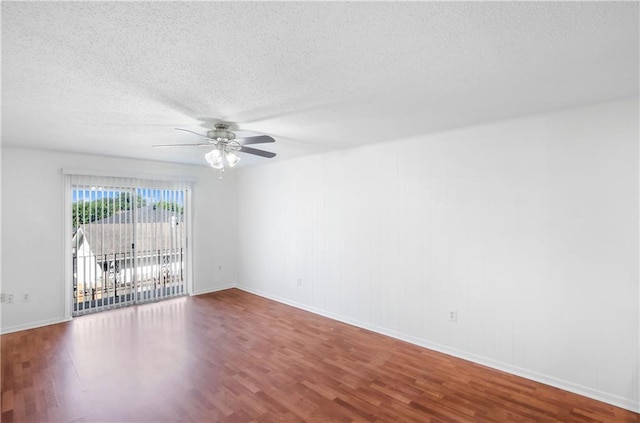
pixel 25 297
pixel 9 298
pixel 453 315
pixel 299 281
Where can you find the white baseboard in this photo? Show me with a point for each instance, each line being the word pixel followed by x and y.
pixel 33 325
pixel 216 289
pixel 505 367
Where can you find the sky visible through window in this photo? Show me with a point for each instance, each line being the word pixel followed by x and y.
pixel 149 195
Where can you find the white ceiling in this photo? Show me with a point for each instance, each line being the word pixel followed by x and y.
pixel 114 78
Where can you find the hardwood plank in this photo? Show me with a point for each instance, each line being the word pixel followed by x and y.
pixel 232 356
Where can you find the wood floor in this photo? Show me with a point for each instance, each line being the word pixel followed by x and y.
pixel 235 357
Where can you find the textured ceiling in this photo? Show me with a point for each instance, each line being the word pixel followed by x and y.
pixel 114 78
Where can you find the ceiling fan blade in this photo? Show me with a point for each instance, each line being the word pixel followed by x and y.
pixel 206 144
pixel 256 152
pixel 195 133
pixel 259 139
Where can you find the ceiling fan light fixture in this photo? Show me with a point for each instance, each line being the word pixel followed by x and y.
pixel 232 159
pixel 214 158
pixel 225 146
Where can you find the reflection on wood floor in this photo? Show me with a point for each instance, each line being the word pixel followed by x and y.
pixel 235 357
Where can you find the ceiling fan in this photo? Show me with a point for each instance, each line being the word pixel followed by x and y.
pixel 225 146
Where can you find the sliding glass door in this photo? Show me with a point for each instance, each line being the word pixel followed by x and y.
pixel 128 242
pixel 160 244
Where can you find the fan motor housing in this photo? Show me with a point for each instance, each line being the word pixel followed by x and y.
pixel 221 133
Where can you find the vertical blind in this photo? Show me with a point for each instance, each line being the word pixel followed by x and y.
pixel 129 240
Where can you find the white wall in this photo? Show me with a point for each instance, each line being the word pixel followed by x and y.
pixel 528 227
pixel 32 228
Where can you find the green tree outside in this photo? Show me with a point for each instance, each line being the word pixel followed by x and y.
pixel 89 211
pixel 168 205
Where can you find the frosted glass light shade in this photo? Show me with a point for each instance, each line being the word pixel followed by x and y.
pixel 214 158
pixel 232 159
